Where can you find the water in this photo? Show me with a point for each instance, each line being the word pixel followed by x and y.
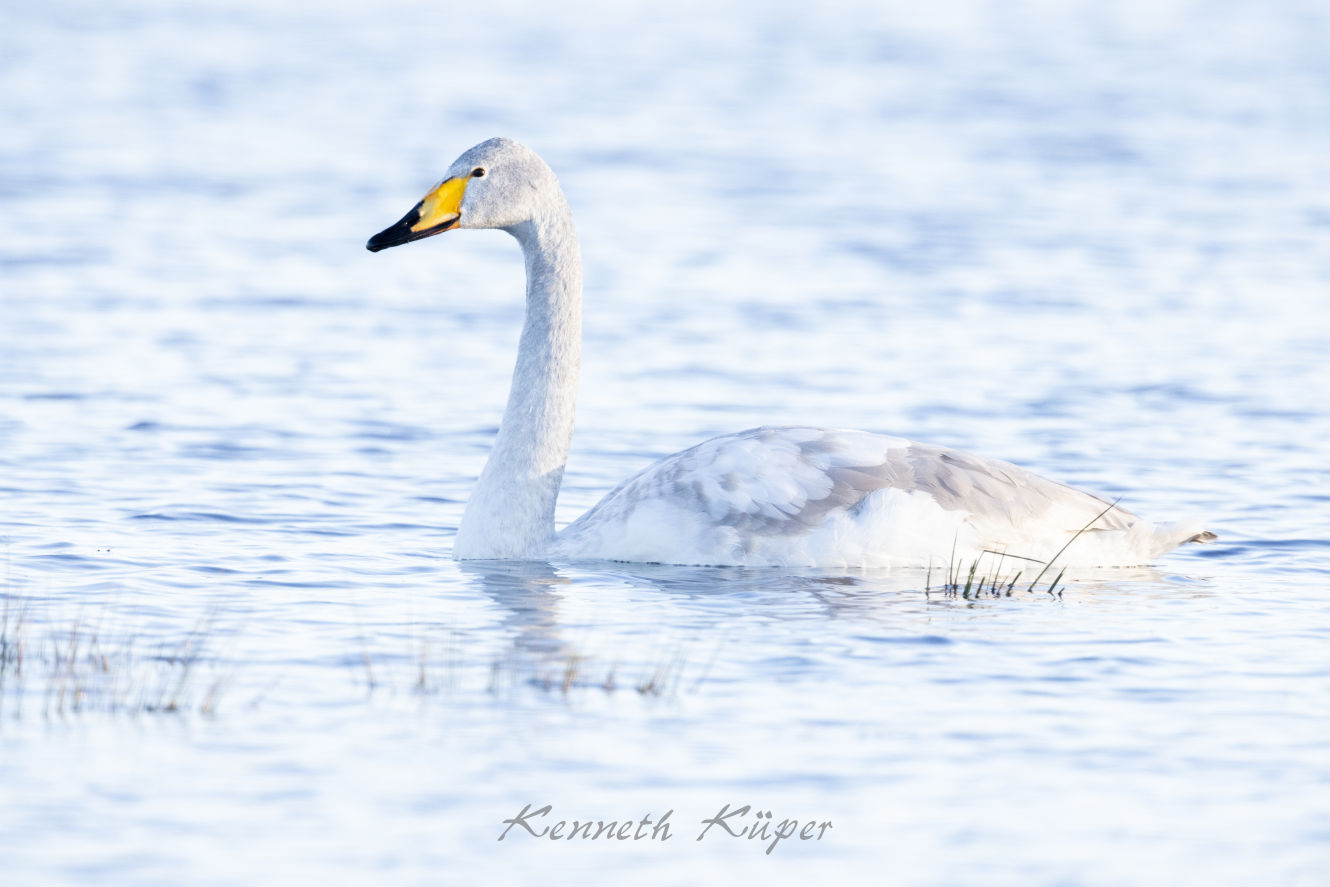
pixel 234 446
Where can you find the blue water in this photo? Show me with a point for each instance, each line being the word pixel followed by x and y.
pixel 234 446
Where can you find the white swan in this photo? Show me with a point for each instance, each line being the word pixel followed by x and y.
pixel 770 496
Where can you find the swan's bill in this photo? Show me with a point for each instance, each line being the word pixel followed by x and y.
pixel 439 211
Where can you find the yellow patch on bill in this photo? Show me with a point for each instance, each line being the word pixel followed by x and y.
pixel 442 205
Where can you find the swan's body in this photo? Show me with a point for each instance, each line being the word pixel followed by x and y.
pixel 771 496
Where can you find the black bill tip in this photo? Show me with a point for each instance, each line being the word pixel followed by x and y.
pixel 387 237
pixel 402 232
pixel 397 234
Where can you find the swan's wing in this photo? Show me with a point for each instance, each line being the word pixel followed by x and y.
pixel 995 493
pixel 790 482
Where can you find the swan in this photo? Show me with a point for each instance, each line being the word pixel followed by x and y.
pixel 773 496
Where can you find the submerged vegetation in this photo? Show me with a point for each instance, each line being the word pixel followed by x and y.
pixel 59 670
pixel 54 669
pixel 565 673
pixel 993 579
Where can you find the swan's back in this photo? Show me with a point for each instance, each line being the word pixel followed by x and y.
pixel 801 496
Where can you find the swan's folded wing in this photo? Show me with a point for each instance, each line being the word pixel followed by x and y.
pixel 791 481
pixel 996 494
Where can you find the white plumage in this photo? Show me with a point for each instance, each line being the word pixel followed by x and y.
pixel 830 498
pixel 794 496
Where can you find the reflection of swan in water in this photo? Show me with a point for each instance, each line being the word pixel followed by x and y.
pixel 698 609
pixel 895 600
pixel 526 592
pixel 694 615
pixel 771 496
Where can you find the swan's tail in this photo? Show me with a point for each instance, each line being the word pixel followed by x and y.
pixel 1139 544
pixel 1167 537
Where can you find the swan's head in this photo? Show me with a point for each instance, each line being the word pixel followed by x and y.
pixel 497 184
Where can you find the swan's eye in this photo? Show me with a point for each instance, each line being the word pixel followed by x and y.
pixel 477 172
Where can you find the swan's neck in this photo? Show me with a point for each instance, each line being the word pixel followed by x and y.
pixel 511 510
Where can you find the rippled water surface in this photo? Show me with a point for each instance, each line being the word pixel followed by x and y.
pixel 234 446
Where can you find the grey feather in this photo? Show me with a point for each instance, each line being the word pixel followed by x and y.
pixel 991 493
